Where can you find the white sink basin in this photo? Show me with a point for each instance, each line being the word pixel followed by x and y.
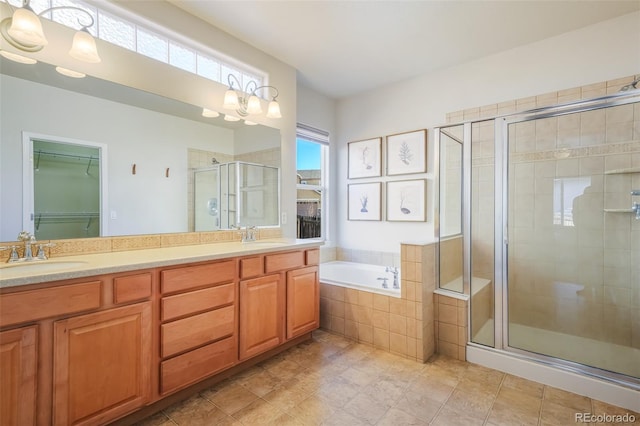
pixel 266 243
pixel 38 267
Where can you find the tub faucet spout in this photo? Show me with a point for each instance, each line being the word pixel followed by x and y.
pixel 395 272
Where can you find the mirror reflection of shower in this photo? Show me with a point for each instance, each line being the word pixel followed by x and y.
pixel 235 194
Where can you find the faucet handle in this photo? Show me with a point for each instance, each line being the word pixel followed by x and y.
pixel 384 282
pixel 635 192
pixel 13 257
pixel 41 254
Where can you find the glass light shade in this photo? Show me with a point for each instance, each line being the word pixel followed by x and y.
pixel 253 105
pixel 209 113
pixel 70 73
pixel 26 28
pixel 17 58
pixel 228 117
pixel 274 110
pixel 231 100
pixel 84 48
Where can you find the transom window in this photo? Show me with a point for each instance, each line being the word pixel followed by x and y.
pixel 130 35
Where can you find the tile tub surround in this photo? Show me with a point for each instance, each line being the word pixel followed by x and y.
pixel 80 246
pixel 451 325
pixel 403 326
pixel 331 380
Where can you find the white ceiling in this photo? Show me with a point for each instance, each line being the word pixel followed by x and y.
pixel 344 47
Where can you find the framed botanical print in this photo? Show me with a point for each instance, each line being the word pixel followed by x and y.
pixel 406 200
pixel 364 201
pixel 407 153
pixel 365 158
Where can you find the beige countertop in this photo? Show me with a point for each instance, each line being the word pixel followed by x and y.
pixel 69 267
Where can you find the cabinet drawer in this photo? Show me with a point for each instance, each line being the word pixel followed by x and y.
pixel 197 276
pixel 197 301
pixel 50 302
pixel 251 267
pixel 281 261
pixel 188 368
pixel 197 330
pixel 132 287
pixel 313 257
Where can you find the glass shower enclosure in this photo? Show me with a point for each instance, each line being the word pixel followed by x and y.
pixel 571 257
pixel 236 194
pixel 551 226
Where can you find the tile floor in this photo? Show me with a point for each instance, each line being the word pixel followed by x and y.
pixel 334 381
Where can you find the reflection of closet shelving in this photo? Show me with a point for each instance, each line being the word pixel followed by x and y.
pixel 623 171
pixel 65 217
pixel 39 153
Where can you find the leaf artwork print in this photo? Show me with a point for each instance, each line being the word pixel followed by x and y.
pixel 405 153
pixel 363 202
pixel 365 158
pixel 403 198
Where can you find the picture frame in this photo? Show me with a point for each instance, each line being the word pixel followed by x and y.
pixel 365 158
pixel 364 201
pixel 407 153
pixel 406 201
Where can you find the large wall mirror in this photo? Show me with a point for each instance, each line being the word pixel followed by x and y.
pixel 152 148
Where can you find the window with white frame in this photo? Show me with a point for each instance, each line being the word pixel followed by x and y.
pixel 148 42
pixel 312 164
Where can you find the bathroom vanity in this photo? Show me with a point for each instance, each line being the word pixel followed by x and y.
pixel 107 334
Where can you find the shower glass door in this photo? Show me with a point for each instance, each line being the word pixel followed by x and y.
pixel 573 251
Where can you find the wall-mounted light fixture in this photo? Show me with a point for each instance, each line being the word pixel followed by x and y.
pixel 246 102
pixel 24 32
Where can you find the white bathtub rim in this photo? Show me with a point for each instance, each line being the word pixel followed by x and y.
pixel 384 291
pixel 358 286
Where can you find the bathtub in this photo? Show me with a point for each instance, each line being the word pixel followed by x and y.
pixel 358 276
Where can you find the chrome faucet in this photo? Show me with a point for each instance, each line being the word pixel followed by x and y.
pixel 248 234
pixel 395 272
pixel 252 233
pixel 29 240
pixel 636 209
pixel 636 206
pixel 384 281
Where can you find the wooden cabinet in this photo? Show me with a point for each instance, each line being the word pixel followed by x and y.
pixel 92 350
pixel 18 367
pixel 303 301
pixel 261 314
pixel 101 365
pixel 199 330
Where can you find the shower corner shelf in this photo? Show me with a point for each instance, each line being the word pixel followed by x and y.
pixel 623 171
pixel 619 211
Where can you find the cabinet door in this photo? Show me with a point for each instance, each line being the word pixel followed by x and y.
pixel 261 315
pixel 303 301
pixel 102 365
pixel 18 366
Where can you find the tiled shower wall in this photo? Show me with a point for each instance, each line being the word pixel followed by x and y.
pixel 574 266
pixel 451 263
pixel 598 293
